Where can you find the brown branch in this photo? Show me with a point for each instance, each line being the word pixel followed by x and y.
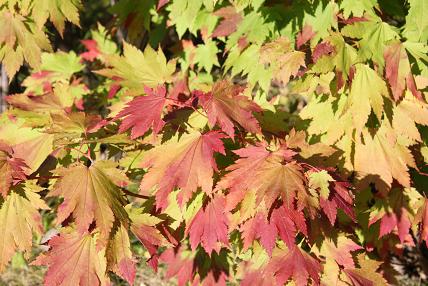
pixel 4 88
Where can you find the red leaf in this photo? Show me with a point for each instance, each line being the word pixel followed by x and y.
pixel 92 48
pixel 12 169
pixel 270 174
pixel 225 104
pixel 74 259
pixel 284 225
pixel 119 255
pixel 398 72
pixel 304 36
pixel 423 217
pixel 212 280
pixel 144 112
pixel 209 226
pixel 259 227
pixel 343 199
pixel 330 209
pixel 161 3
pixel 258 278
pixel 296 264
pixel 230 22
pixel 340 249
pixel 114 88
pixel 179 265
pixel 392 220
pixel 187 164
pixel 322 49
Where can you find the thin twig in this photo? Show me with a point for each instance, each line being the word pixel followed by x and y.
pixel 135 195
pixel 45 177
pixel 186 105
pixel 84 154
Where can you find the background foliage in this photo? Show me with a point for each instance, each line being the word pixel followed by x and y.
pixel 244 142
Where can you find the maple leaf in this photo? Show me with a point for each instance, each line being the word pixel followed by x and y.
pixel 322 49
pixel 225 104
pixel 391 158
pixel 137 69
pixel 339 249
pixel 57 12
pixel 269 174
pixel 180 264
pixel 188 165
pixel 406 115
pixel 19 219
pixel 12 169
pixel 334 52
pixel 209 226
pixel 416 27
pixel 305 35
pixel 206 55
pixel 143 226
pixel 20 40
pixel 282 59
pixel 259 227
pixel 333 195
pixel 343 199
pixel 321 180
pixel 367 91
pixel 422 218
pixel 144 112
pixel 59 99
pixel 74 259
pixel 394 213
pixel 294 263
pixel 28 144
pixel 331 274
pixel 357 9
pixel 367 274
pixel 183 15
pixel 89 193
pixel 119 255
pixel 62 65
pixel 92 47
pixel 72 125
pixel 286 220
pixel 230 22
pixel 101 44
pixel 398 72
pixel 374 36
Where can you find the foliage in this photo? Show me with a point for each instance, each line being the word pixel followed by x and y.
pixel 248 142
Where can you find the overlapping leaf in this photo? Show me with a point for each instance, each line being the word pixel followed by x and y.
pixel 74 259
pixel 186 163
pixel 270 174
pixel 90 194
pixel 19 219
pixel 144 112
pixel 225 105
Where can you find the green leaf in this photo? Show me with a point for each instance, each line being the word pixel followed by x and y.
pixel 416 28
pixel 63 64
pixel 206 55
pixel 367 92
pixel 137 69
pixel 357 8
